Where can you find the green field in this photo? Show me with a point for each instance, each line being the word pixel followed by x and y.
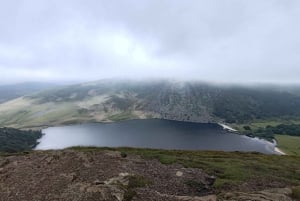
pixel 288 144
pixel 264 123
pixel 123 116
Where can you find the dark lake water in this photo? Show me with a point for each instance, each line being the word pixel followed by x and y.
pixel 152 133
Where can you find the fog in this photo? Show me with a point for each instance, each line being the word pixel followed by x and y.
pixel 231 41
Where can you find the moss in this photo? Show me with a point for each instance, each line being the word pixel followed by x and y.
pixel 129 195
pixel 221 183
pixel 135 181
pixel 123 154
pixel 296 193
pixel 196 185
pixel 122 116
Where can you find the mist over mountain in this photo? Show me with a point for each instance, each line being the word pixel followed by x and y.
pixel 12 91
pixel 111 100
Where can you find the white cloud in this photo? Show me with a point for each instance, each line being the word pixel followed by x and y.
pixel 220 41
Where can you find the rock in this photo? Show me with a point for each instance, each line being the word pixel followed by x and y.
pixel 179 174
pixel 87 159
pixel 203 198
pixel 123 179
pixel 189 198
pixel 49 159
pixel 124 174
pixel 113 154
pixel 102 192
pixel 97 175
pixel 277 194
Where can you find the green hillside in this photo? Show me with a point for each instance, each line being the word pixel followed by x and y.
pixel 9 92
pixel 120 100
pixel 14 140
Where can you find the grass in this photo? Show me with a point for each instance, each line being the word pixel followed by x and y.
pixel 288 144
pixel 25 118
pixel 135 181
pixel 256 124
pixel 26 113
pixel 230 168
pixel 296 193
pixel 122 116
pixel 196 185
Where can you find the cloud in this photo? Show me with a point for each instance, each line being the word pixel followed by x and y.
pixel 220 41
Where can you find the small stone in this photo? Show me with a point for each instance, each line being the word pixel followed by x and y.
pixel 179 174
pixel 123 179
pixel 124 174
pixel 49 159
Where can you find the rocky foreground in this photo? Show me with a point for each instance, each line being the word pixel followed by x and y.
pixel 71 175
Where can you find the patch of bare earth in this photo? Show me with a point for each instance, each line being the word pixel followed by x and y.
pixel 103 176
pixel 70 175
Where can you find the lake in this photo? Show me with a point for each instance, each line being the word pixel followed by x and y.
pixel 153 133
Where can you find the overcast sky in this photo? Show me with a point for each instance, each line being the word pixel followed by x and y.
pixel 211 40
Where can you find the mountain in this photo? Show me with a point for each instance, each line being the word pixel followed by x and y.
pixel 108 100
pixel 9 92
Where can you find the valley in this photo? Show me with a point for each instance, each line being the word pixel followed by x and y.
pixel 249 110
pixel 172 117
pixel 150 100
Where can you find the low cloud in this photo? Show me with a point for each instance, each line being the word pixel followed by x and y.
pixel 219 41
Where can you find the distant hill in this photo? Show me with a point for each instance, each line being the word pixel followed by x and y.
pixel 14 140
pixel 121 100
pixel 9 92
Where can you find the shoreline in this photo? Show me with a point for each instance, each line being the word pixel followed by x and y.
pixel 224 126
pixel 276 149
pixel 279 151
pixel 228 128
pixel 45 126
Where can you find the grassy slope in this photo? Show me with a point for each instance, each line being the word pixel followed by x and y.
pixel 119 100
pixel 289 144
pixel 256 124
pixel 27 113
pixel 23 112
pixel 232 169
pixel 10 92
pixel 81 103
pixel 14 140
pixel 123 116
